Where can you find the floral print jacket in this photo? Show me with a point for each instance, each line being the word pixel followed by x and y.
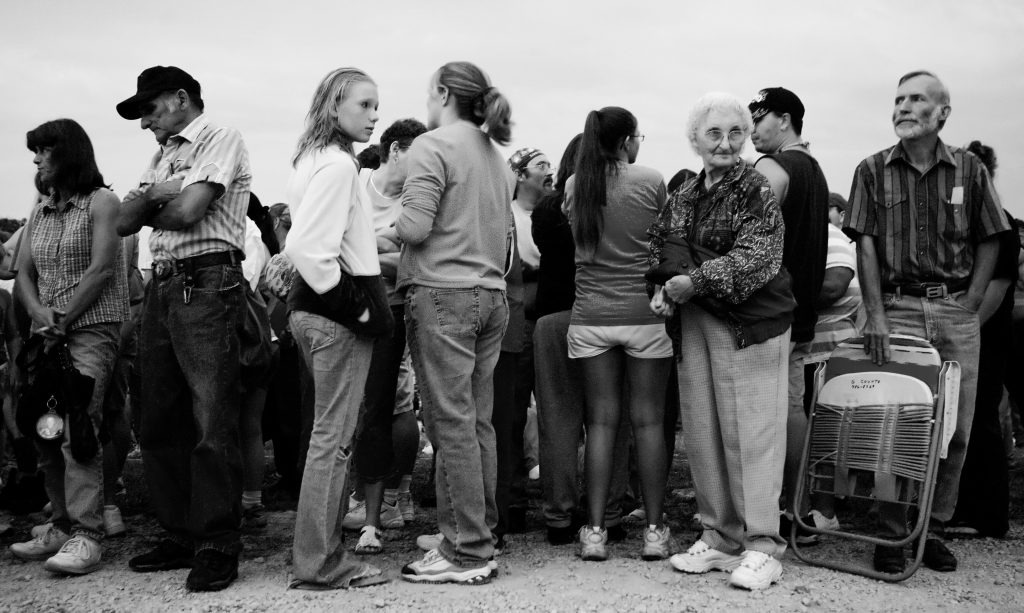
pixel 737 218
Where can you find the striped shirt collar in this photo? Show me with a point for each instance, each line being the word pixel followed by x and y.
pixel 78 201
pixel 942 154
pixel 191 131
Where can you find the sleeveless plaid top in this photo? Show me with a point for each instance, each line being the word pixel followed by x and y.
pixel 62 251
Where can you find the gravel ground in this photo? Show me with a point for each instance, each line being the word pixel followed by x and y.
pixel 534 576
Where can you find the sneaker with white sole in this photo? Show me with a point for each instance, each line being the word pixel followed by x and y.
pixel 701 558
pixel 428 542
pixel 657 543
pixel 593 543
pixel 406 506
pixel 356 516
pixel 369 542
pixel 757 571
pixel 113 524
pixel 391 516
pixel 42 546
pixel 78 556
pixel 821 522
pixel 434 568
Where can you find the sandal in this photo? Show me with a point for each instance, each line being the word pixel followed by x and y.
pixel 369 542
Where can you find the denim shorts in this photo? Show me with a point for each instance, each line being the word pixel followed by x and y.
pixel 647 341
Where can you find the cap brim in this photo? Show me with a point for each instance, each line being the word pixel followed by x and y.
pixel 129 109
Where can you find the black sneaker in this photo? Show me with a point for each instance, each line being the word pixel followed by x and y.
pixel 937 556
pixel 889 560
pixel 212 571
pixel 803 537
pixel 167 555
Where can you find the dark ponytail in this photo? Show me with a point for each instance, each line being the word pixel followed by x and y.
pixel 476 100
pixel 603 134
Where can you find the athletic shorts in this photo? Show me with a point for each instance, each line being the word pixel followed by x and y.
pixel 645 341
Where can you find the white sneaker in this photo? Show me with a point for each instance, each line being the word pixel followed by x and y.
pixel 369 542
pixel 113 525
pixel 434 568
pixel 406 506
pixel 657 543
pixel 356 516
pixel 428 542
pixel 637 515
pixel 42 546
pixel 701 558
pixel 391 516
pixel 823 523
pixel 41 529
pixel 79 555
pixel 757 571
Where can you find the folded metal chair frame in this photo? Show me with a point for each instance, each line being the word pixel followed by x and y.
pixel 876 433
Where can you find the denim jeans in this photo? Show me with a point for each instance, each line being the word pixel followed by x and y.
pixel 339 360
pixel 188 431
pixel 560 418
pixel 955 333
pixel 75 488
pixel 454 339
pixel 374 450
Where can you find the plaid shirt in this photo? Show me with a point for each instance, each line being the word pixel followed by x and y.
pixel 62 251
pixel 204 152
pixel 927 225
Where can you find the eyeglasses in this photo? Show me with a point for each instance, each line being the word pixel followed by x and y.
pixel 716 135
pixel 639 137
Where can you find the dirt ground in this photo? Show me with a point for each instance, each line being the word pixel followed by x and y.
pixel 533 576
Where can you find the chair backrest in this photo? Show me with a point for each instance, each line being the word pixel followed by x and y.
pixel 910 355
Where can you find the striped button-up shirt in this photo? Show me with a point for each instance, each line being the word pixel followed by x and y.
pixel 926 226
pixel 204 152
pixel 62 251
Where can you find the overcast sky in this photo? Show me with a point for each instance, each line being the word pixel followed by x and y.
pixel 259 62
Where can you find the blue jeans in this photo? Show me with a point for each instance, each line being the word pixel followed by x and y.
pixel 955 332
pixel 75 488
pixel 338 360
pixel 374 447
pixel 454 339
pixel 188 431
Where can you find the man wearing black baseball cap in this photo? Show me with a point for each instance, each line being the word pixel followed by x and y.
pixel 802 193
pixel 194 194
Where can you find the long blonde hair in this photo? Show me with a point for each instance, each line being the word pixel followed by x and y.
pixel 322 127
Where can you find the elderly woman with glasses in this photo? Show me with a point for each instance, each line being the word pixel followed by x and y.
pixel 734 345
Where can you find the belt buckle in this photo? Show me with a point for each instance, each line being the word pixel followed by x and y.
pixel 934 290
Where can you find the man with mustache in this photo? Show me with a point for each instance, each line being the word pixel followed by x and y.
pixel 925 218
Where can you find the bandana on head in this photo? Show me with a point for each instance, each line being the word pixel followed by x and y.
pixel 521 159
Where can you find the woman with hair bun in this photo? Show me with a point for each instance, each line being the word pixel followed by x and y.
pixel 619 343
pixel 456 226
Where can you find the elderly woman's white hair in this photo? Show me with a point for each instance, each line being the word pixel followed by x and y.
pixel 717 101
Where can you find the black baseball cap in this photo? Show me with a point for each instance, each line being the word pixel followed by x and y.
pixel 153 82
pixel 776 100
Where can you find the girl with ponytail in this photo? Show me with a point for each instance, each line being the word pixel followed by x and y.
pixel 456 227
pixel 610 203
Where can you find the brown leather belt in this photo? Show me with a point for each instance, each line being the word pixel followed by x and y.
pixel 166 268
pixel 930 290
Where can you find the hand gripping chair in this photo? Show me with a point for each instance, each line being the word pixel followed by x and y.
pixel 876 433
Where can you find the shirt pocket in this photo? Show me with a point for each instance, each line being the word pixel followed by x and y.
pixel 893 210
pixel 955 222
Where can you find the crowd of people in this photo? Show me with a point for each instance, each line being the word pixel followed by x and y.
pixel 432 268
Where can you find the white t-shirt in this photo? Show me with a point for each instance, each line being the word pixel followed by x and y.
pixel 528 251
